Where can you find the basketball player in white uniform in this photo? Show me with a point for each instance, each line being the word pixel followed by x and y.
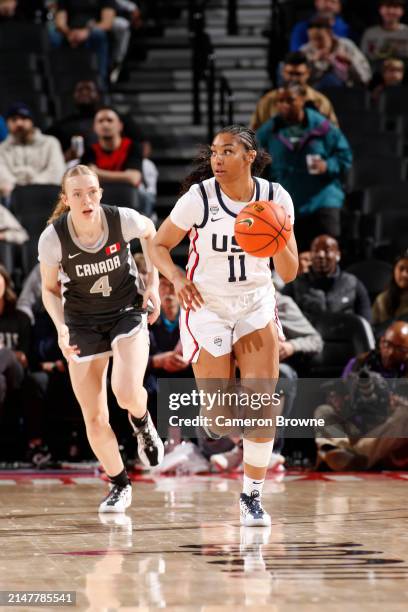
pixel 227 296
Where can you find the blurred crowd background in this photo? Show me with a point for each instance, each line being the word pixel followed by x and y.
pixel 109 83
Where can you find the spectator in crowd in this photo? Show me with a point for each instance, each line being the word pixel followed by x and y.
pixel 334 61
pixel 392 75
pixel 390 38
pixel 302 340
pixel 21 10
pixel 295 70
pixel 50 379
pixel 87 99
pixel 15 336
pixel 393 302
pixel 305 262
pixel 128 16
pixel 165 357
pixel 165 348
pixel 28 157
pixel 327 288
pixel 310 157
pixel 373 392
pixel 11 366
pixel 85 23
pixel 7 9
pixel 330 9
pixel 116 158
pixel 10 229
pixel 3 129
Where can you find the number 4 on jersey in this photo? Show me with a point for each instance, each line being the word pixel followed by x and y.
pixel 102 286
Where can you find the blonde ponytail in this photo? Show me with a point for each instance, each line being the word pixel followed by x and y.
pixel 60 206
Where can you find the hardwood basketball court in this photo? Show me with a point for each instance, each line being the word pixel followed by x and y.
pixel 337 542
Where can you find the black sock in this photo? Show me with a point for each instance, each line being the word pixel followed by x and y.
pixel 139 422
pixel 121 480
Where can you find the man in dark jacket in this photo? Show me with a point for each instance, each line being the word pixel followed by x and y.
pixel 326 288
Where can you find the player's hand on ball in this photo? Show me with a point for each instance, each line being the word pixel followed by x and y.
pixel 63 342
pixel 187 293
pixel 152 294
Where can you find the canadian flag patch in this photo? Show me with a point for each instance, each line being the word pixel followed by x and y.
pixel 113 248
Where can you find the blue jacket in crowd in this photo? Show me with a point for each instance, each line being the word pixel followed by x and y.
pixel 3 129
pixel 299 37
pixel 310 192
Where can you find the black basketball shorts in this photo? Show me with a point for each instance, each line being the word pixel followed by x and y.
pixel 96 340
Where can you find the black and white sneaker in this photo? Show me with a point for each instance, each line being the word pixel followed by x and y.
pixel 117 500
pixel 251 511
pixel 149 445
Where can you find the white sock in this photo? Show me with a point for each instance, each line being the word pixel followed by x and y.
pixel 252 484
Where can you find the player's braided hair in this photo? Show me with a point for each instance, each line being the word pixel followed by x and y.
pixel 61 207
pixel 202 162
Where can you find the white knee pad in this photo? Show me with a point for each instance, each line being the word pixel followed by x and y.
pixel 257 454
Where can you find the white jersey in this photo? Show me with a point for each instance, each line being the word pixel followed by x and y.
pixel 216 263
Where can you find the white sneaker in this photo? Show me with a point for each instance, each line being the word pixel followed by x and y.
pixel 117 500
pixel 277 462
pixel 251 512
pixel 229 461
pixel 149 445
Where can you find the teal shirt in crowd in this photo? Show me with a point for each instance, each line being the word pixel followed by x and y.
pixel 289 145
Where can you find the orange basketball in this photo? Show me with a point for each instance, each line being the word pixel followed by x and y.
pixel 262 229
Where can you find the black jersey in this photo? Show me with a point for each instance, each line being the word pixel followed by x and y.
pixel 97 284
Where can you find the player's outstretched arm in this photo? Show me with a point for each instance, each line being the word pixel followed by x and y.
pixel 287 261
pixel 168 237
pixel 51 296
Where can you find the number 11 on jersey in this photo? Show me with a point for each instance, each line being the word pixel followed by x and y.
pixel 232 277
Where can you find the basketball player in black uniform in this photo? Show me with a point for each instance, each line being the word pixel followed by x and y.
pixel 91 289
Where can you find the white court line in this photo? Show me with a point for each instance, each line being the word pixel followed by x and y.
pixel 87 480
pixel 343 477
pixel 47 481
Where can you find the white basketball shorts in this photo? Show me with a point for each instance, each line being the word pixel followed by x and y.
pixel 222 321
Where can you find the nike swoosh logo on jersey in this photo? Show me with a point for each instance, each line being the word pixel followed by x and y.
pixel 72 256
pixel 219 219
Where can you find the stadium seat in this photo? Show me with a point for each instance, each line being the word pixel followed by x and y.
pixel 15 36
pixel 393 230
pixel 373 273
pixel 394 101
pixel 344 336
pixel 386 198
pixel 348 99
pixel 32 205
pixel 361 122
pixel 120 194
pixel 375 170
pixel 18 62
pixel 379 143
